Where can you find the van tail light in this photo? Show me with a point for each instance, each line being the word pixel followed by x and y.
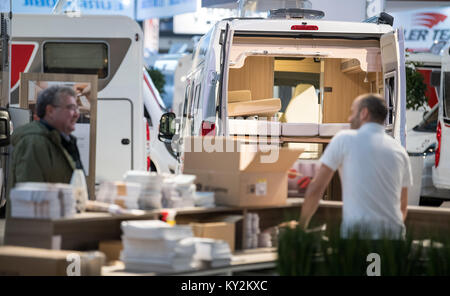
pixel 438 150
pixel 208 128
pixel 147 131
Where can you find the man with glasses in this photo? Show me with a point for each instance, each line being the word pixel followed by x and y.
pixel 44 150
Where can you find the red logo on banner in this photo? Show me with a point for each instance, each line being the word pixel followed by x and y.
pixel 429 19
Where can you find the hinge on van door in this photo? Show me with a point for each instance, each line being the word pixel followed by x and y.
pixel 327 89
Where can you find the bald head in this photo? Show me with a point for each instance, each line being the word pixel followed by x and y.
pixel 368 108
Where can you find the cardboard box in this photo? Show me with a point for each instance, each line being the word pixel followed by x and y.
pixel 111 249
pixel 221 227
pixel 42 262
pixel 239 174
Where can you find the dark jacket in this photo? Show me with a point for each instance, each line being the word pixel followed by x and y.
pixel 39 156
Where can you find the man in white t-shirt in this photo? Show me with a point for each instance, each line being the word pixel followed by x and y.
pixel 375 175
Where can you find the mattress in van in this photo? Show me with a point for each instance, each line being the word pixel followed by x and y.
pixel 254 127
pixel 263 108
pixel 330 129
pixel 299 129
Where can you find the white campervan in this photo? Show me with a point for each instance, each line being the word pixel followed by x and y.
pixel 293 71
pixel 441 170
pixel 129 106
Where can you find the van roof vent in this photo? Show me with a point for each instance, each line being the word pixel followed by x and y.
pixel 295 13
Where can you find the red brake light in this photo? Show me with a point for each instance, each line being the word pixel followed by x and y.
pixel 208 128
pixel 305 27
pixel 438 150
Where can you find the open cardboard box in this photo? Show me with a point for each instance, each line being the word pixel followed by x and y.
pixel 221 227
pixel 239 174
pixel 21 261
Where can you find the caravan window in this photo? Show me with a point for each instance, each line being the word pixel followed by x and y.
pixel 446 94
pixel 76 58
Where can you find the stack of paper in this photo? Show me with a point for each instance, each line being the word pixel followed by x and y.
pixel 124 194
pixel 205 199
pixel 179 191
pixel 151 184
pixel 217 252
pixel 155 246
pixel 42 200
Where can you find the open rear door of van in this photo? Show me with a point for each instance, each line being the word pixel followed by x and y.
pixel 226 41
pixel 393 62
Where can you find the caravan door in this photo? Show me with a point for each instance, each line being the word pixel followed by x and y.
pixel 393 62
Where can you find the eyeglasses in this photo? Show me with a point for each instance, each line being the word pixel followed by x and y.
pixel 70 107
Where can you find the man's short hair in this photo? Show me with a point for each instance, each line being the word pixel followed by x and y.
pixel 376 106
pixel 52 96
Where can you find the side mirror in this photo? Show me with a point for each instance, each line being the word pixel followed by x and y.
pixel 435 79
pixel 167 127
pixel 5 127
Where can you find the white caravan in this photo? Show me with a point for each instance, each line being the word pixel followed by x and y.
pixel 421 134
pixel 441 169
pixel 253 64
pixel 112 47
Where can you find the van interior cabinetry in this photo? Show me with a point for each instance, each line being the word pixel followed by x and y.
pixel 342 83
pixel 256 75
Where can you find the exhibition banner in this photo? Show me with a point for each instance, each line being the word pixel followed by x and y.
pixel 121 7
pixel 424 27
pixel 147 9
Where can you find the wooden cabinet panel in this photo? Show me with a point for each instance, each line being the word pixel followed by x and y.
pixel 256 75
pixel 340 89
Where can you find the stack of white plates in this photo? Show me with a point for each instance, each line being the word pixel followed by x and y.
pixel 155 246
pixel 42 200
pixel 217 252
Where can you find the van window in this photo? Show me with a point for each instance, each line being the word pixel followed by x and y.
pixel 446 94
pixel 76 58
pixel 390 91
pixel 202 49
pixel 429 122
pixel 186 100
pixel 196 104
